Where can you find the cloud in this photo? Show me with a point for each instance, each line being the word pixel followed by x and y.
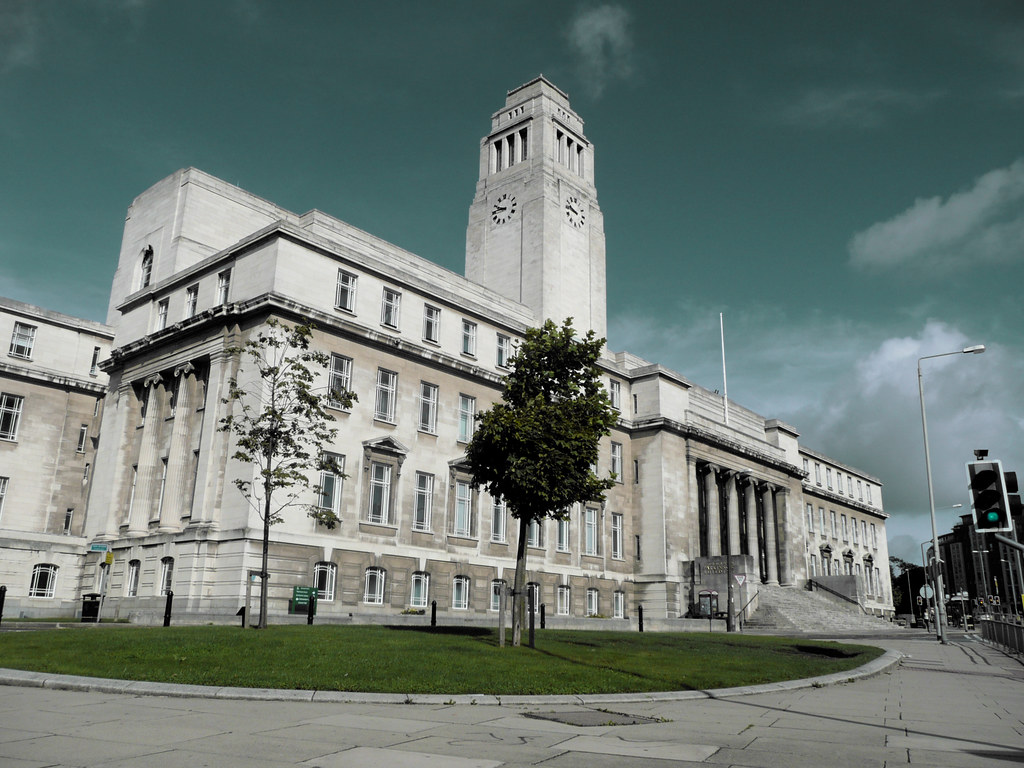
pixel 982 224
pixel 857 107
pixel 603 45
pixel 19 34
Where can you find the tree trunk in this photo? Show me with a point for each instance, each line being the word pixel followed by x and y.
pixel 519 586
pixel 264 575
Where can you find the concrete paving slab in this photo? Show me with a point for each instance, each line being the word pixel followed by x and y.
pixel 368 757
pixel 662 750
pixel 376 723
pixel 65 750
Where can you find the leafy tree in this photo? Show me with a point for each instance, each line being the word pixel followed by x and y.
pixel 898 581
pixel 535 449
pixel 280 423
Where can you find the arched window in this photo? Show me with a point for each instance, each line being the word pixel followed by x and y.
pixel 619 605
pixel 418 595
pixel 593 602
pixel 497 585
pixel 460 593
pixel 146 267
pixel 563 600
pixel 373 592
pixel 166 574
pixel 44 580
pixel 325 575
pixel 131 582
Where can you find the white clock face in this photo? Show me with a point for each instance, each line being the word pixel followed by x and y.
pixel 504 208
pixel 575 211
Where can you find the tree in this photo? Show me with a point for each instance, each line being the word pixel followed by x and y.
pixel 536 449
pixel 280 423
pixel 898 580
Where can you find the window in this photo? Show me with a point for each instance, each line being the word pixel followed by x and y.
pixel 131 493
pixel 44 580
pixel 835 531
pixel 504 351
pixel 380 493
pixel 864 532
pixel 878 583
pixel 562 606
pixel 810 518
pixel 593 602
pixel 428 407
pixel 463 523
pixel 373 590
pixel 339 379
pixel 615 394
pixel 874 536
pixel 814 566
pixel 345 292
pixel 387 387
pixel 423 502
pixel 828 477
pixel 853 525
pixel 636 471
pixel 223 286
pixel 94 366
pixel 431 323
pixel 420 590
pixel 846 530
pixel 817 473
pixel 619 605
pixel 10 415
pixel 636 404
pixel 460 593
pixel 22 340
pixel 331 482
pixel 3 493
pixel 616 467
pixel 191 300
pixel 83 438
pixel 821 519
pixel 591 541
pixel 325 576
pixel 468 338
pixel 533 595
pixel 85 472
pixel 166 575
pixel 616 536
pixel 860 491
pixel 849 486
pixel 146 268
pixel 497 587
pixel 562 543
pixel 467 411
pixel 839 482
pixel 807 466
pixel 636 542
pixel 161 314
pixel 868 488
pixel 498 521
pixel 389 308
pixel 131 582
pixel 535 533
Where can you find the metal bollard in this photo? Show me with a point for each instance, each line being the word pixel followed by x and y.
pixel 3 596
pixel 542 615
pixel 529 608
pixel 311 608
pixel 433 613
pixel 167 609
pixel 640 613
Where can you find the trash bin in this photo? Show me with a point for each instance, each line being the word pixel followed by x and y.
pixel 91 607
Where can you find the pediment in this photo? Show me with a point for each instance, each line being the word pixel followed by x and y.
pixel 385 444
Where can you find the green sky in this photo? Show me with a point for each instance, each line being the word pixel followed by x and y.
pixel 844 181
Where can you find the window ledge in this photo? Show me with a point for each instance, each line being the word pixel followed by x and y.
pixel 383 529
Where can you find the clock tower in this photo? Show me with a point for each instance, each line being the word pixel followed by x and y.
pixel 536 233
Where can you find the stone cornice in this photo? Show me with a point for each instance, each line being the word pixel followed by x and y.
pixel 811 489
pixel 51 378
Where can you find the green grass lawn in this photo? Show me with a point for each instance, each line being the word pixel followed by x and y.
pixel 407 660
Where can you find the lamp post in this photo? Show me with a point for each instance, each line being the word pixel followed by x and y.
pixel 940 597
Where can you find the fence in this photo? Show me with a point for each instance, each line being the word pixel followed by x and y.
pixel 1009 635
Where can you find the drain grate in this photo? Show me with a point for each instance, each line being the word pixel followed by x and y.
pixel 590 717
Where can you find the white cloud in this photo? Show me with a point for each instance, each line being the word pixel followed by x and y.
pixel 19 34
pixel 858 107
pixel 982 224
pixel 603 44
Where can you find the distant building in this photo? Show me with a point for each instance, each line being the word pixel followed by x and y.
pixel 981 567
pixel 204 265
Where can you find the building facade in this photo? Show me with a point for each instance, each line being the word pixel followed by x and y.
pixel 705 490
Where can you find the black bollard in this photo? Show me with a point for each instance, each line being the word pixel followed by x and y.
pixel 241 612
pixel 167 609
pixel 311 608
pixel 640 613
pixel 542 615
pixel 3 596
pixel 433 613
pixel 529 607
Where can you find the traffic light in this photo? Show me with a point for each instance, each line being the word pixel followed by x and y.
pixel 988 496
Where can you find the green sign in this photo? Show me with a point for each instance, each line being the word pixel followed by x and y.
pixel 301 597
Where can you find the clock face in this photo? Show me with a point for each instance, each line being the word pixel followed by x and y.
pixel 575 211
pixel 504 208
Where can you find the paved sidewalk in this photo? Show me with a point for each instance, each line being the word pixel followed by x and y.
pixel 955 705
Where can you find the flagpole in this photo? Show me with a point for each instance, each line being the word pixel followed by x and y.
pixel 725 382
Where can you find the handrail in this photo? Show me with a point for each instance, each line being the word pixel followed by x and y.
pixel 744 608
pixel 847 598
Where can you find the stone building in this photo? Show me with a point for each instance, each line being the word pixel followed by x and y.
pixel 205 265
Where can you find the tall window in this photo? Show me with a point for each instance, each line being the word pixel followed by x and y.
pixel 817 473
pixel 562 607
pixel 166 574
pixel 810 518
pixel 460 593
pixel 387 388
pixel 380 493
pixel 496 589
pixel 331 483
pixel 593 602
pixel 616 536
pixel 83 438
pixel 868 489
pixel 131 582
pixel 615 394
pixel 616 467
pixel 619 605
pixel 94 366
pixel 468 338
pixel 22 340
pixel 814 565
pixel 223 286
pixel 533 590
pixel 431 323
pixel 146 268
pixel 44 580
pixel 467 410
pixel 389 308
pixel 339 379
pixel 69 515
pixel 839 482
pixel 562 544
pixel 828 477
pixel 345 292
pixel 853 526
pixel 428 407
pixel 860 491
pixel 10 415
pixel 821 519
pixel 591 540
pixel 3 494
pixel 874 536
pixel 835 531
pixel 535 533
pixel 846 530
pixel 161 314
pixel 498 521
pixel 420 590
pixel 849 486
pixel 504 350
pixel 191 300
pixel 864 532
pixel 325 576
pixel 373 587
pixel 463 522
pixel 423 502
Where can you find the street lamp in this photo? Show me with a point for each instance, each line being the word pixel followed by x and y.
pixel 940 597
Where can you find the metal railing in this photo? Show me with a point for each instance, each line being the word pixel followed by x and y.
pixel 1007 634
pixel 812 585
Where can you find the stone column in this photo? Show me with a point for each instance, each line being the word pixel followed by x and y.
pixel 750 500
pixel 713 511
pixel 782 505
pixel 770 561
pixel 179 455
pixel 732 507
pixel 149 468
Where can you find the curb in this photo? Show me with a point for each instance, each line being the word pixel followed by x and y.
pixel 16 677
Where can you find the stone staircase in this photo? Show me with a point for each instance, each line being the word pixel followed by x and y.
pixel 795 609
